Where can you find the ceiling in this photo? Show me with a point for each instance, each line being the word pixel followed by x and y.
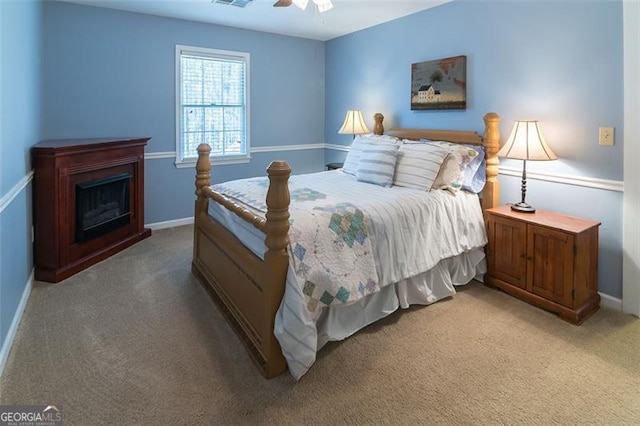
pixel 347 16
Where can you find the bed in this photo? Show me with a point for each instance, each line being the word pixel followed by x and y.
pixel 251 248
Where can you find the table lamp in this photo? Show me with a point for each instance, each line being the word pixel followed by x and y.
pixel 526 142
pixel 353 124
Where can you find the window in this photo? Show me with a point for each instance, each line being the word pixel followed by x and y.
pixel 212 105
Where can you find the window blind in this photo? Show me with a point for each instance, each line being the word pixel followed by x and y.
pixel 213 104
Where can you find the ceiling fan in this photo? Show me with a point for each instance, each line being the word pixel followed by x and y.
pixel 323 5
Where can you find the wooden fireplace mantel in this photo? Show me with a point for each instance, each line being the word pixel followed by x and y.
pixel 59 167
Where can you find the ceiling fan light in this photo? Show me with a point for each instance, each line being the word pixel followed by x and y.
pixel 302 4
pixel 323 5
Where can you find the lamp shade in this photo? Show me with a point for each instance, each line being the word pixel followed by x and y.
pixel 353 123
pixel 526 142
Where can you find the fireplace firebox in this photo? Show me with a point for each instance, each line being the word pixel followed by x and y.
pixel 102 205
pixel 88 202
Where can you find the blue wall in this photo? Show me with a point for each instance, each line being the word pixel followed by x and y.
pixel 112 73
pixel 20 28
pixel 556 61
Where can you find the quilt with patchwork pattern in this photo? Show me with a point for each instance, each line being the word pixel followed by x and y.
pixel 330 242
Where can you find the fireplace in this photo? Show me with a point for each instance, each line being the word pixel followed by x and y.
pixel 102 205
pixel 88 202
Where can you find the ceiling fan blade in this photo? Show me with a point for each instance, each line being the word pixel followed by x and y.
pixel 282 3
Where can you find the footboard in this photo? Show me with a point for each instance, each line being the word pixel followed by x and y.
pixel 247 288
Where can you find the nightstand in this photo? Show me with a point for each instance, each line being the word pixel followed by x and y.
pixel 547 259
pixel 334 166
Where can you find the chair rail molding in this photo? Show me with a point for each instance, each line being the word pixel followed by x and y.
pixel 589 182
pixel 277 148
pixel 15 190
pixel 159 155
pixel 337 147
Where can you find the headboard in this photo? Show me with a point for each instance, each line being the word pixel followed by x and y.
pixel 490 140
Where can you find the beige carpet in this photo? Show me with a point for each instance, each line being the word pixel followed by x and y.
pixel 137 340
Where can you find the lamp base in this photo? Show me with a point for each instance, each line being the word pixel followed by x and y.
pixel 522 207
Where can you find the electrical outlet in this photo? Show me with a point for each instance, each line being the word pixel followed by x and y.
pixel 605 136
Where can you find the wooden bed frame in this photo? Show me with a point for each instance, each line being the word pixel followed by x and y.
pixel 249 289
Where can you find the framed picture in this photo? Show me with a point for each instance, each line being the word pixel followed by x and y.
pixel 439 84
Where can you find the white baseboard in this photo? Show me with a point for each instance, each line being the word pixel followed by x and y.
pixel 610 302
pixel 8 341
pixel 170 223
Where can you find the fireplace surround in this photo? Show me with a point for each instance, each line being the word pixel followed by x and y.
pixel 88 202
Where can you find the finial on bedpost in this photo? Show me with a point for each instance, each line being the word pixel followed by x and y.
pixel 203 176
pixel 203 168
pixel 491 142
pixel 378 128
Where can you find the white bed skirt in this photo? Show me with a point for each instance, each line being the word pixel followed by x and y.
pixel 301 337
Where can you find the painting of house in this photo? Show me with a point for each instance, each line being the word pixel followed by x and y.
pixel 439 84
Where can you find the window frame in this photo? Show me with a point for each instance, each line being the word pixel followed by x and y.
pixel 204 52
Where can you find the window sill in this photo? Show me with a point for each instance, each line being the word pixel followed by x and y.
pixel 188 164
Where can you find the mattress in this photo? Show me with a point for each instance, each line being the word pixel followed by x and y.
pixel 423 244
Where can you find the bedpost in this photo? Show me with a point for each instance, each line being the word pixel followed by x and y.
pixel 378 128
pixel 203 178
pixel 491 143
pixel 277 226
pixel 276 257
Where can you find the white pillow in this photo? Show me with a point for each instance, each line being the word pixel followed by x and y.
pixel 359 143
pixel 451 173
pixel 377 164
pixel 417 165
pixel 459 167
